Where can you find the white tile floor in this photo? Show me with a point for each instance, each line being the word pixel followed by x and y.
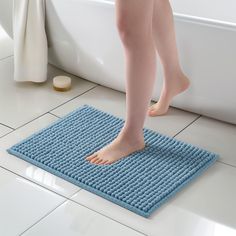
pixel 35 202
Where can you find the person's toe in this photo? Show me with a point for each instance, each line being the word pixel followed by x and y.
pixel 152 112
pixel 89 158
pixel 94 159
pixel 103 162
pixel 98 161
pixel 152 108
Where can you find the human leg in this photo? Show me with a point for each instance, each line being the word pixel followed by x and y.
pixel 134 22
pixel 175 81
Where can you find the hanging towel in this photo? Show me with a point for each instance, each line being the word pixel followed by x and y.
pixel 30 41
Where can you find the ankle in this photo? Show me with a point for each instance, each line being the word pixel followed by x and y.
pixel 173 72
pixel 131 134
pixel 171 69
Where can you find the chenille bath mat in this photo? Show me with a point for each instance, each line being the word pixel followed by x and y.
pixel 141 182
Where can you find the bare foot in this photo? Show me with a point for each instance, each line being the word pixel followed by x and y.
pixel 177 85
pixel 120 147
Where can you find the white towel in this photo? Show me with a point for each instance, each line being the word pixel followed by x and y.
pixel 30 41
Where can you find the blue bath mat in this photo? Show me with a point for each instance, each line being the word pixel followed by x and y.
pixel 141 182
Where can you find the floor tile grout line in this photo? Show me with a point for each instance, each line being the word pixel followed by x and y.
pixel 107 216
pixel 224 163
pixel 191 124
pixel 7 126
pixel 26 123
pixel 6 134
pixel 48 213
pixel 48 112
pixel 73 98
pixel 80 204
pixel 56 107
pixel 42 186
pixel 2 59
pixel 54 115
pixel 187 126
pixel 66 198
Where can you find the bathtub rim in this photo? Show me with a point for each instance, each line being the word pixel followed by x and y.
pixel 205 21
pixel 191 18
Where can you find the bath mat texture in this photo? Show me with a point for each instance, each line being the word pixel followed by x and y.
pixel 141 182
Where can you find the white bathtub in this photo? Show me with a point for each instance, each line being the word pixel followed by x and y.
pixel 83 40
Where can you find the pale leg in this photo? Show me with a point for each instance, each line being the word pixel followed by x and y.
pixel 175 81
pixel 134 22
